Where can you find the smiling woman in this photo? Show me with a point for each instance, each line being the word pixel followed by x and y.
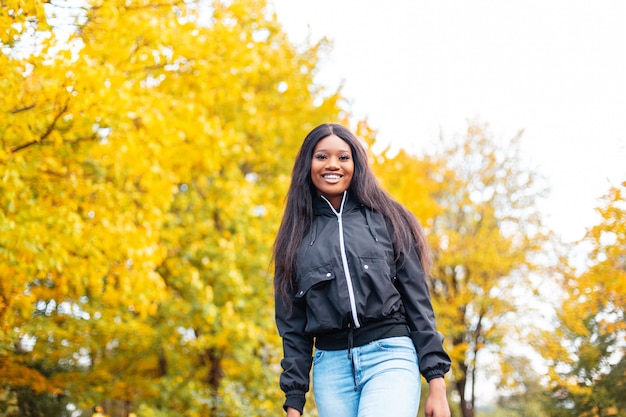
pixel 350 278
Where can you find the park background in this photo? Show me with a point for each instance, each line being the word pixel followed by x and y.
pixel 145 153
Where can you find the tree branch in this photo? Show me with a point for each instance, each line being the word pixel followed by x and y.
pixel 21 109
pixel 46 133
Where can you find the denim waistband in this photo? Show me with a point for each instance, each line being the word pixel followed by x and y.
pixel 349 338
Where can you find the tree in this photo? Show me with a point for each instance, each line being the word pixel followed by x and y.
pixel 585 352
pixel 477 205
pixel 485 238
pixel 142 182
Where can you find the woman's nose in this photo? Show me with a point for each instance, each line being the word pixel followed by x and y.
pixel 333 163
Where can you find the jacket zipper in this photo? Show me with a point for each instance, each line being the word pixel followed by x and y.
pixel 344 260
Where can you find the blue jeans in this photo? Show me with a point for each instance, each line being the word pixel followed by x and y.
pixel 381 379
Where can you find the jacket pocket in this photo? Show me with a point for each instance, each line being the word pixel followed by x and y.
pixel 324 310
pixel 380 298
pixel 376 271
pixel 313 278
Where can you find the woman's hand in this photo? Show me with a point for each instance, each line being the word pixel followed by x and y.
pixel 292 412
pixel 437 402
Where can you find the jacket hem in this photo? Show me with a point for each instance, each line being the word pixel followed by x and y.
pixel 349 338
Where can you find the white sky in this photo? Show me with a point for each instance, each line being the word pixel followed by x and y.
pixel 556 69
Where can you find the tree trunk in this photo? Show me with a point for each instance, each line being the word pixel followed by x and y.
pixel 467 405
pixel 215 373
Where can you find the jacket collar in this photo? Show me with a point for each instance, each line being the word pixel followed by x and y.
pixel 322 207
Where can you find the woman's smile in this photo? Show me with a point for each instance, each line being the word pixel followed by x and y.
pixel 332 178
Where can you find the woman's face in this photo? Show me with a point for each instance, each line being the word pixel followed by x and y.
pixel 332 167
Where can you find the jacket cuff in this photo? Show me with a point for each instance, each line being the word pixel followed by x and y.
pixel 434 373
pixel 295 399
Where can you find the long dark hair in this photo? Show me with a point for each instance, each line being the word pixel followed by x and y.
pixel 299 214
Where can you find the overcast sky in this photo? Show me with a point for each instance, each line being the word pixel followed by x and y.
pixel 556 69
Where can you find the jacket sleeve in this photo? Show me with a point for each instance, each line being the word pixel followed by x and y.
pixel 297 351
pixel 411 282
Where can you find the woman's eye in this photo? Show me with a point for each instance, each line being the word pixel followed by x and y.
pixel 344 158
pixel 320 156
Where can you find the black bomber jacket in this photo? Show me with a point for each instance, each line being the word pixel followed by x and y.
pixel 348 282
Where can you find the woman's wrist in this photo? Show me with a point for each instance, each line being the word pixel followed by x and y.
pixel 292 412
pixel 437 385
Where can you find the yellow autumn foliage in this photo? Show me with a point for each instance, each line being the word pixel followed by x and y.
pixel 585 353
pixel 143 166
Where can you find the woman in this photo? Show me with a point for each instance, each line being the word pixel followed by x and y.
pixel 350 279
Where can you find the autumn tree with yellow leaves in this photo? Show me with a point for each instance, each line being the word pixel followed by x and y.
pixel 486 236
pixel 586 351
pixel 477 203
pixel 144 156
